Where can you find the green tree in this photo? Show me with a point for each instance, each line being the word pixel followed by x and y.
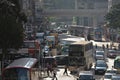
pixel 11 26
pixel 113 17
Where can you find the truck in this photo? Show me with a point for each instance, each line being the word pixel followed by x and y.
pixel 56 37
pixel 80 56
pixel 50 41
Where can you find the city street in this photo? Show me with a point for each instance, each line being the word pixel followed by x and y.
pixel 44 39
pixel 60 76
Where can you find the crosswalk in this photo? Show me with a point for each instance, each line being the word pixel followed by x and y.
pixel 60 76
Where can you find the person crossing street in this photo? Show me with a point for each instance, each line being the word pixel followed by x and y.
pixel 65 71
pixel 54 75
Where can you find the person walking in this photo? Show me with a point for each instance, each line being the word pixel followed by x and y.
pixel 103 46
pixel 96 46
pixel 54 75
pixel 48 68
pixel 65 71
pixel 107 46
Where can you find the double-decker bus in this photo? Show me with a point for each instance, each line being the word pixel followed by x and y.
pixel 80 55
pixel 98 34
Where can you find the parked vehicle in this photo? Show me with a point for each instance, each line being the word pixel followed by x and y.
pixel 100 67
pixel 99 55
pixel 86 75
pixel 112 53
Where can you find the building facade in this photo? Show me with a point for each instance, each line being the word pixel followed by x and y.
pixel 83 5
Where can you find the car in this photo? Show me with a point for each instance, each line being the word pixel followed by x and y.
pixel 46 50
pixel 112 53
pixel 116 77
pixel 86 75
pixel 100 67
pixel 108 76
pixel 99 55
pixel 113 71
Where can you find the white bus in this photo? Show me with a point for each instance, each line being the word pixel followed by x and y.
pixel 81 55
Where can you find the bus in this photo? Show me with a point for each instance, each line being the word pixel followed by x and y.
pixel 117 63
pixel 80 55
pixel 19 69
pixel 98 34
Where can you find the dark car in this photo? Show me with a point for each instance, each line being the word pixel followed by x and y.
pixel 100 67
pixel 112 53
pixel 86 75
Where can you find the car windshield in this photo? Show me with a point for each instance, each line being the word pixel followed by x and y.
pixel 108 76
pixel 99 53
pixel 112 51
pixel 115 78
pixel 86 77
pixel 111 71
pixel 101 65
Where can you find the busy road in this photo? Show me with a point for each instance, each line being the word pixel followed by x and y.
pixel 109 61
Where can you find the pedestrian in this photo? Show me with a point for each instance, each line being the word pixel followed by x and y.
pixel 103 46
pixel 110 46
pixel 107 46
pixel 96 46
pixel 51 68
pixel 54 75
pixel 65 71
pixel 48 68
pixel 119 46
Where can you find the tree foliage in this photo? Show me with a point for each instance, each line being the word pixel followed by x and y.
pixel 11 21
pixel 113 17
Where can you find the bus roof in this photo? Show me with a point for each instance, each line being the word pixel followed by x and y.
pixel 81 42
pixel 118 57
pixel 22 63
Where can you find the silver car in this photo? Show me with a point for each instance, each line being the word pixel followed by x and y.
pixel 99 55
